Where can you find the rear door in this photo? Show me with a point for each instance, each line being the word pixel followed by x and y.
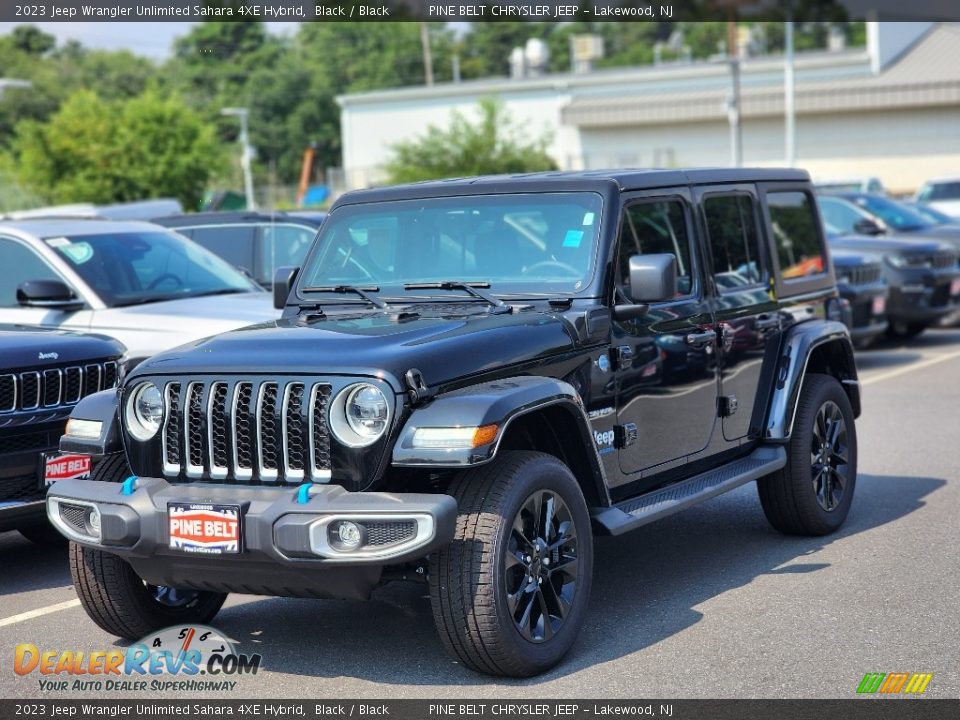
pixel 746 313
pixel 665 360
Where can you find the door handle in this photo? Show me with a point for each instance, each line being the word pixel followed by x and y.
pixel 766 322
pixel 699 339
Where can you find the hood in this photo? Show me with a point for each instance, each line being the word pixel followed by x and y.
pixel 246 307
pixel 443 348
pixel 888 244
pixel 24 347
pixel 849 258
pixel 946 233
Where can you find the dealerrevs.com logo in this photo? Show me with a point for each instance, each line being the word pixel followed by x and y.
pixel 190 658
pixel 894 683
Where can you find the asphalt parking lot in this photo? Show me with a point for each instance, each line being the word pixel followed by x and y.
pixel 708 603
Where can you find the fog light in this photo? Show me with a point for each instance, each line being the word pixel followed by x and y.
pixel 93 521
pixel 349 534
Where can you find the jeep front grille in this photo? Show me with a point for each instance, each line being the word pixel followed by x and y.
pixel 248 431
pixel 865 274
pixel 42 389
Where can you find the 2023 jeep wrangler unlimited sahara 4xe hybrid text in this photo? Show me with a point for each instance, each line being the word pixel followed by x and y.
pixel 470 379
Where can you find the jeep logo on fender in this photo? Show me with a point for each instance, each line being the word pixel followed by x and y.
pixel 603 438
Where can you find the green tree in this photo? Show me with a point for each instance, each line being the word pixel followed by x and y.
pixel 100 151
pixel 492 145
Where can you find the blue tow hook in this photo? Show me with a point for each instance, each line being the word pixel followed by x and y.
pixel 129 485
pixel 303 493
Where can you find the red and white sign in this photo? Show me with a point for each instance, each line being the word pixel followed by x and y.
pixel 879 305
pixel 65 467
pixel 202 528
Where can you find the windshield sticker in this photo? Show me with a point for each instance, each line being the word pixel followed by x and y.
pixel 79 252
pixel 588 219
pixel 57 242
pixel 573 238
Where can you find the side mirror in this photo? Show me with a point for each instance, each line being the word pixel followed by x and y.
pixel 866 226
pixel 283 280
pixel 53 294
pixel 653 278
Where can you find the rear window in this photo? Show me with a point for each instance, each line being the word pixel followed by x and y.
pixel 798 242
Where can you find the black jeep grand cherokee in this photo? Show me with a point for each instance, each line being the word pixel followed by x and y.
pixel 466 385
pixel 43 374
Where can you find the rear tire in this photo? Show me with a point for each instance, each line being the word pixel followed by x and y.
pixel 811 495
pixel 510 592
pixel 115 597
pixel 117 600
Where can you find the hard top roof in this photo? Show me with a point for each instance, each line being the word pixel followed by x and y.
pixel 238 217
pixel 620 179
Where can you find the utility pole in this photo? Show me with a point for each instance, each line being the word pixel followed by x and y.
pixel 246 157
pixel 427 59
pixel 789 99
pixel 733 103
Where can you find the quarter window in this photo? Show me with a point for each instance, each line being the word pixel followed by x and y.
pixel 734 241
pixel 651 228
pixel 795 234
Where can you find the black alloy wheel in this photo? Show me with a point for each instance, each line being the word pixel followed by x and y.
pixel 829 456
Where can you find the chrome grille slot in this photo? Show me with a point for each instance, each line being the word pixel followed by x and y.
pixel 52 384
pixel 319 434
pixel 292 432
pixel 217 438
pixel 267 431
pixel 242 431
pixel 72 384
pixel 170 436
pixel 193 429
pixel 92 377
pixel 8 393
pixel 29 390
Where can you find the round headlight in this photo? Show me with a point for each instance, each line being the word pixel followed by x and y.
pixel 144 411
pixel 359 415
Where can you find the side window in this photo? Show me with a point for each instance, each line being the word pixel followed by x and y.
pixel 22 264
pixel 839 216
pixel 283 245
pixel 734 241
pixel 655 227
pixel 233 243
pixel 795 234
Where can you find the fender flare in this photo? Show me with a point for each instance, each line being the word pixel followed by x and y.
pixel 796 349
pixel 104 407
pixel 498 402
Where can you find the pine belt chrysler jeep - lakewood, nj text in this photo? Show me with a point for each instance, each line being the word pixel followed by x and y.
pixel 471 379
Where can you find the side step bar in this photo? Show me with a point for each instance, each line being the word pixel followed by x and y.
pixel 631 514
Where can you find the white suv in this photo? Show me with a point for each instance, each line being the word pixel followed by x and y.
pixel 942 194
pixel 144 285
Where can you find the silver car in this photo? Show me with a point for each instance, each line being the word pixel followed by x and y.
pixel 142 284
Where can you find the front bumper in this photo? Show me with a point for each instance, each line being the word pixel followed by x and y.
pixel 283 547
pixel 922 298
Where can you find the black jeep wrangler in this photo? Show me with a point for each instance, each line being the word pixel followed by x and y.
pixel 470 379
pixel 43 374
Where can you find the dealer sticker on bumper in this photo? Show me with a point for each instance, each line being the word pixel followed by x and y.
pixel 203 528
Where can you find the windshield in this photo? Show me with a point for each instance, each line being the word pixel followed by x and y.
pixel 530 244
pixel 896 215
pixel 940 191
pixel 131 268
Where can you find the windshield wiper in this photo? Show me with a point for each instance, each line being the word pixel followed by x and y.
pixel 361 291
pixel 471 288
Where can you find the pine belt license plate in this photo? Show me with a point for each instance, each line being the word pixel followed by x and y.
pixel 879 305
pixel 55 466
pixel 203 528
pixel 955 287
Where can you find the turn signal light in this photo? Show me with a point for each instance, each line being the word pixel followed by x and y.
pixel 455 437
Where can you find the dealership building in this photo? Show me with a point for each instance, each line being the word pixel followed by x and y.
pixel 890 109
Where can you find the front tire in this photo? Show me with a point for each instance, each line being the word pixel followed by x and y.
pixel 115 597
pixel 811 495
pixel 510 592
pixel 903 330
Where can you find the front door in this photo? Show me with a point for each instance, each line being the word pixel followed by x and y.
pixel 665 361
pixel 746 314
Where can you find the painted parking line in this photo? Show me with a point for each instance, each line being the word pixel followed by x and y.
pixel 920 365
pixel 39 612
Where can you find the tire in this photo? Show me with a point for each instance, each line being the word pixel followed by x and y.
pixel 903 330
pixel 117 600
pixel 115 597
pixel 809 496
pixel 44 534
pixel 469 578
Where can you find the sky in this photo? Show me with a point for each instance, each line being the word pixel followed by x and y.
pixel 151 39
